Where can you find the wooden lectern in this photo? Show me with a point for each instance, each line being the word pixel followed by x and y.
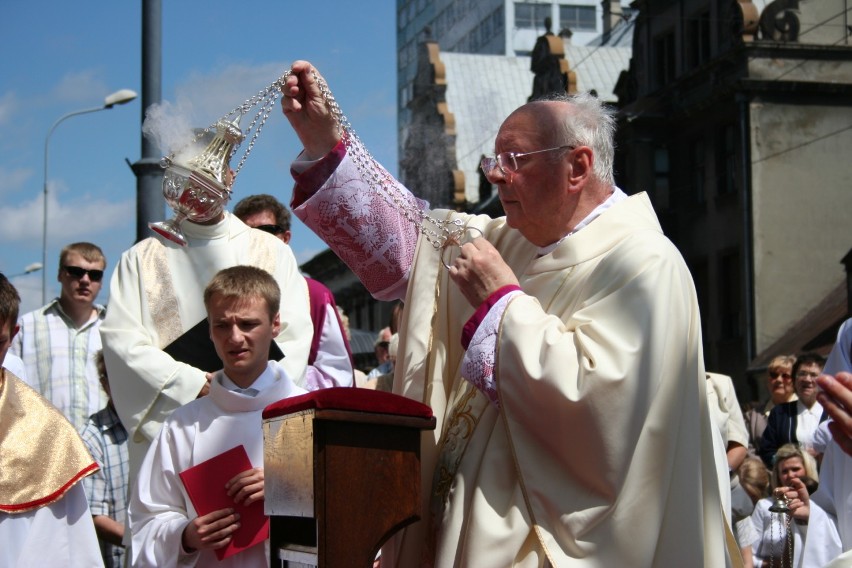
pixel 342 474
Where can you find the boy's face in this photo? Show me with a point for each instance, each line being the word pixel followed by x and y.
pixel 7 332
pixel 242 330
pixel 79 289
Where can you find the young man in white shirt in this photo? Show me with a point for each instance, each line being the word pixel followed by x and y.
pixel 243 311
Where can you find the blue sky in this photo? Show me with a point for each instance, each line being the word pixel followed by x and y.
pixel 60 57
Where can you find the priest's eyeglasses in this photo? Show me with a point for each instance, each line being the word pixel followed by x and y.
pixel 508 161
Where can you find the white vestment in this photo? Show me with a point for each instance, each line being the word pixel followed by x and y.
pixel 44 514
pixel 840 358
pixel 832 530
pixel 156 295
pixel 59 534
pixel 599 451
pixel 160 508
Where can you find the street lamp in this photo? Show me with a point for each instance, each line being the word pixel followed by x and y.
pixel 28 269
pixel 117 98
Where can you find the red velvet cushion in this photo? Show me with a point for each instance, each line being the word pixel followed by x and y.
pixel 348 398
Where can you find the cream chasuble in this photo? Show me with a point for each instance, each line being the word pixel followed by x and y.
pixel 601 451
pixel 156 295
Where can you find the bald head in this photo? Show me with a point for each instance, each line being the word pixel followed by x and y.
pixel 576 120
pixel 548 173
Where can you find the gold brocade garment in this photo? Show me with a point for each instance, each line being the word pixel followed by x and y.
pixel 42 455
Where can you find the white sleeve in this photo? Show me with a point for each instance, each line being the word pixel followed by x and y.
pixel 736 426
pixel 333 361
pixel 822 437
pixel 14 365
pixel 159 511
pixel 822 543
pixel 759 520
pixel 840 358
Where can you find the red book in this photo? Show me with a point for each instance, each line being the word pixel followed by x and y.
pixel 205 484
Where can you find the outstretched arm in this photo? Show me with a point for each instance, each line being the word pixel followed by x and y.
pixel 304 105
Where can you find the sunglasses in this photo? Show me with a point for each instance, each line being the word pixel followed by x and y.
pixel 271 229
pixel 77 272
pixel 776 374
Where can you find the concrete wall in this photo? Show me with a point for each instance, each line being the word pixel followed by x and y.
pixel 802 199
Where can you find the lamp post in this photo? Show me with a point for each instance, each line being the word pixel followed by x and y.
pixel 117 98
pixel 28 269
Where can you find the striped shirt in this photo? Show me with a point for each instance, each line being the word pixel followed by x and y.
pixel 60 360
pixel 106 489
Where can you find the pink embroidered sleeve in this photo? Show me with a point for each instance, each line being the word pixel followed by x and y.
pixel 480 358
pixel 373 237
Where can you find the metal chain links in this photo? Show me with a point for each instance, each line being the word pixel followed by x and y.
pixel 439 233
pixel 781 530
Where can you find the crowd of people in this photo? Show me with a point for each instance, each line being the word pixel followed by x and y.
pixel 559 350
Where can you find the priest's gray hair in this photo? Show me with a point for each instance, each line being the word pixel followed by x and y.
pixel 591 123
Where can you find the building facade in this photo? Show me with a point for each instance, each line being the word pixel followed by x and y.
pixel 488 27
pixel 735 117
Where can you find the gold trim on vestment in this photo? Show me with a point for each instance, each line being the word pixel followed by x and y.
pixel 505 421
pixel 41 455
pixel 261 255
pixel 159 291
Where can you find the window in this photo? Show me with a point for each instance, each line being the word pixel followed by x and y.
pixel 729 295
pixel 698 40
pixel 578 18
pixel 727 160
pixel 405 95
pixel 664 59
pixel 698 169
pixel 661 177
pixel 531 16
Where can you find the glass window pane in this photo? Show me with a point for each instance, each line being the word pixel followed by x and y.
pixel 577 18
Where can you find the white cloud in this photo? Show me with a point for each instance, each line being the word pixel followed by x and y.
pixel 29 289
pixel 202 99
pixel 12 180
pixel 99 214
pixel 81 86
pixel 8 106
pixel 68 221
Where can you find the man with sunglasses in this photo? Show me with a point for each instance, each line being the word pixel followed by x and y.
pixel 58 341
pixel 330 358
pixel 559 346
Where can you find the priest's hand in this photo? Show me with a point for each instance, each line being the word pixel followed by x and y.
pixel 304 106
pixel 246 487
pixel 211 531
pixel 836 399
pixel 479 271
pixel 205 390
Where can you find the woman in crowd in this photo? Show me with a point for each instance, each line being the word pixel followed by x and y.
pixel 779 383
pixel 793 467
